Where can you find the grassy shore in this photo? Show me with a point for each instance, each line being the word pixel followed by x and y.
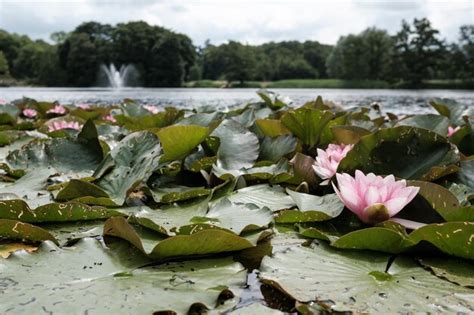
pixel 330 84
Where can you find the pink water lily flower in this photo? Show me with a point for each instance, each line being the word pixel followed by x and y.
pixel 110 118
pixel 29 112
pixel 152 109
pixel 452 131
pixel 60 125
pixel 3 102
pixel 328 160
pixel 374 198
pixel 84 106
pixel 57 109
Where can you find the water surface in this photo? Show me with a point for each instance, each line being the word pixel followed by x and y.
pixel 395 101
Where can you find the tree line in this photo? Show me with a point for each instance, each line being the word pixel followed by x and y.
pixel 166 58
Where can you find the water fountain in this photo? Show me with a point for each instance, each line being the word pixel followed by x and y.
pixel 115 78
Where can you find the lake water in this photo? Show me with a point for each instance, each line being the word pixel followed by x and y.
pixel 395 101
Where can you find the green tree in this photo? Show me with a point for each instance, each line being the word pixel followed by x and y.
pixel 137 43
pixel 59 37
pixel 316 54
pixel 27 63
pixel 466 44
pixel 418 51
pixel 79 59
pixel 167 66
pixel 4 69
pixel 239 62
pixel 296 69
pixel 349 59
pixel 366 56
pixel 50 72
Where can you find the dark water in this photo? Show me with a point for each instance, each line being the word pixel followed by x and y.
pixel 395 101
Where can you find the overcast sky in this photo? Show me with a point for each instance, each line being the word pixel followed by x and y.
pixel 251 21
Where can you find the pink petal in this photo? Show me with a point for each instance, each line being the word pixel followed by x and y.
pixel 351 199
pixel 371 196
pixel 395 205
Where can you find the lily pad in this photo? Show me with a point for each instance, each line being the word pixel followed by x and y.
pixel 441 200
pixel 173 193
pixel 348 134
pixel 111 282
pixel 78 156
pixel 17 230
pixel 436 123
pixel 178 141
pixel 53 212
pixel 272 127
pixel 406 152
pixel 306 124
pixel 273 197
pixel 311 208
pixel 452 238
pixel 455 270
pixel 451 109
pixel 131 162
pixel 166 220
pixel 273 149
pixel 31 188
pixel 238 148
pixel 360 282
pixel 239 217
pixel 203 242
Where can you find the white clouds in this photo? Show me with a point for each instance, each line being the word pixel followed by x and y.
pixel 252 21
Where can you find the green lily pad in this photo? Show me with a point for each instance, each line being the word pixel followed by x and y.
pixel 173 193
pixel 406 152
pixel 375 238
pixel 131 162
pixel 31 188
pixel 108 281
pixel 178 141
pixel 238 148
pixel 273 149
pixel 167 219
pixel 239 217
pixel 271 99
pixel 306 124
pixel 201 119
pixel 142 119
pixel 79 188
pixel 17 230
pixel 348 134
pixel 53 212
pixel 455 270
pixel 203 242
pixel 452 238
pixel 311 208
pixel 82 154
pixel 273 197
pixel 441 200
pixel 360 282
pixel 69 232
pixel 436 123
pixel 303 169
pixel 451 109
pixel 272 127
